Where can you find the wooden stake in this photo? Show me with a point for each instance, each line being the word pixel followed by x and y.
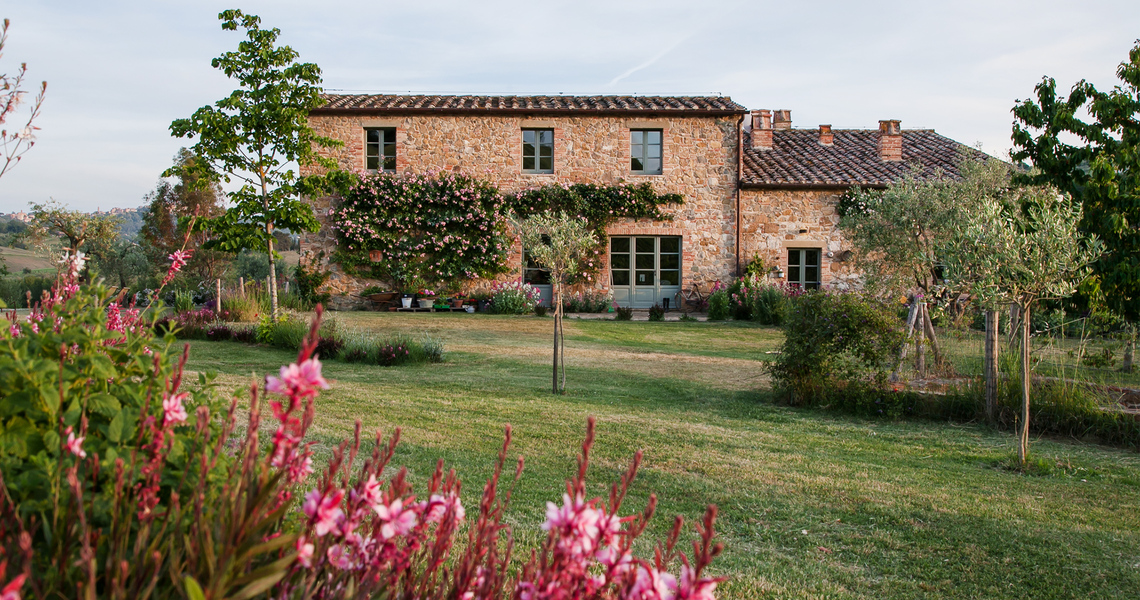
pixel 909 332
pixel 1026 382
pixel 919 342
pixel 218 297
pixel 991 363
pixel 241 283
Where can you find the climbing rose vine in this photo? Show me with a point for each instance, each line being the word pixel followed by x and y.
pixel 441 227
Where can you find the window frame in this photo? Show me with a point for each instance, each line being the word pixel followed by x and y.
pixel 644 157
pixel 801 265
pixel 538 145
pixel 382 158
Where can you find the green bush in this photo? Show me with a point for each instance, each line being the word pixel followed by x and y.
pixel 14 290
pixel 254 266
pixel 248 308
pixel 515 298
pixel 656 313
pixel 718 306
pixel 99 384
pixel 835 343
pixel 753 298
pixel 589 301
pixel 623 313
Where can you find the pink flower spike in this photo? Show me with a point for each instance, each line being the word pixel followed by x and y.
pixel 172 409
pixel 397 520
pixel 75 444
pixel 179 260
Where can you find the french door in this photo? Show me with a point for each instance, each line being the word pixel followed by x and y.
pixel 645 270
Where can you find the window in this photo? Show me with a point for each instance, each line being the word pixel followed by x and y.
pixel 380 149
pixel 645 151
pixel 803 267
pixel 538 151
pixel 533 273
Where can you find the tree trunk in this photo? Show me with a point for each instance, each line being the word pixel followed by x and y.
pixel 557 317
pixel 561 343
pixel 1129 349
pixel 1023 441
pixel 272 277
pixel 919 343
pixel 909 331
pixel 940 361
pixel 991 366
pixel 1014 325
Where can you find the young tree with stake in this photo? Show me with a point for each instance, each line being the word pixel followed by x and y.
pixel 560 243
pixel 1019 248
pixel 256 135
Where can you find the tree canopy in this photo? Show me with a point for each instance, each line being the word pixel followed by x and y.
pixel 258 135
pixel 1100 169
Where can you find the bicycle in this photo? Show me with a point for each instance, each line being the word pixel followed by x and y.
pixel 692 299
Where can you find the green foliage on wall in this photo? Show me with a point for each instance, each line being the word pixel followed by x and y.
pixel 448 227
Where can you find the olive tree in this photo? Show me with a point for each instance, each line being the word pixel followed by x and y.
pixel 560 243
pixel 1019 248
pixel 257 135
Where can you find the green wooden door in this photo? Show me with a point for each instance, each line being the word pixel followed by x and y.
pixel 644 270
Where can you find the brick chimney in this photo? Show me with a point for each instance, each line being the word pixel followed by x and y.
pixel 783 119
pixel 761 130
pixel 825 137
pixel 890 140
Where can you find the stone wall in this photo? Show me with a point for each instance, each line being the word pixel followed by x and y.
pixel 699 162
pixel 772 221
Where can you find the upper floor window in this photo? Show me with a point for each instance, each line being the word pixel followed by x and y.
pixel 380 149
pixel 645 151
pixel 538 151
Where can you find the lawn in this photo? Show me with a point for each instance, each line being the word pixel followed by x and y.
pixel 813 505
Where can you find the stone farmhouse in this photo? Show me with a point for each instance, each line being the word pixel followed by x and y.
pixel 752 184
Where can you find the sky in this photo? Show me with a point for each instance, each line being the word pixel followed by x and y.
pixel 119 72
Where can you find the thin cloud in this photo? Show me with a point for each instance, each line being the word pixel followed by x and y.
pixel 650 62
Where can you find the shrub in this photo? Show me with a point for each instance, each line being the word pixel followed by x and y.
pixel 755 267
pixel 589 301
pixel 248 308
pixel 183 301
pixel 623 313
pixel 656 313
pixel 718 306
pixel 433 349
pixel 540 310
pixel 14 290
pixel 246 334
pixel 514 298
pixel 309 279
pixel 835 343
pixel 192 324
pixel 219 333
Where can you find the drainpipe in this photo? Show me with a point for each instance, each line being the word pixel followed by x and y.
pixel 739 170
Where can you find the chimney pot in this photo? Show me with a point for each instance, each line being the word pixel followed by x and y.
pixel 783 119
pixel 890 140
pixel 761 130
pixel 825 136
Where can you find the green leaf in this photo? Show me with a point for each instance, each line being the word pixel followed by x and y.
pixel 115 429
pixel 104 404
pixel 193 590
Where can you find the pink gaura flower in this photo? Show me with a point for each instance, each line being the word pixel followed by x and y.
pixel 75 444
pixel 373 493
pixel 298 380
pixel 14 330
pixel 12 590
pixel 173 412
pixel 397 520
pixel 695 589
pixel 179 259
pixel 653 585
pixel 324 510
pixel 435 508
pixel 304 552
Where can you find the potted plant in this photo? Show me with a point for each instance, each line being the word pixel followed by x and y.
pixel 426 298
pixel 411 286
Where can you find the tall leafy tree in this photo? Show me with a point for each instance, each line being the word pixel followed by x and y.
pixel 259 135
pixel 1100 168
pixel 172 208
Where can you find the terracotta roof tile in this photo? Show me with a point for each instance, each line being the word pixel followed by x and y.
pixel 797 159
pixel 705 105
